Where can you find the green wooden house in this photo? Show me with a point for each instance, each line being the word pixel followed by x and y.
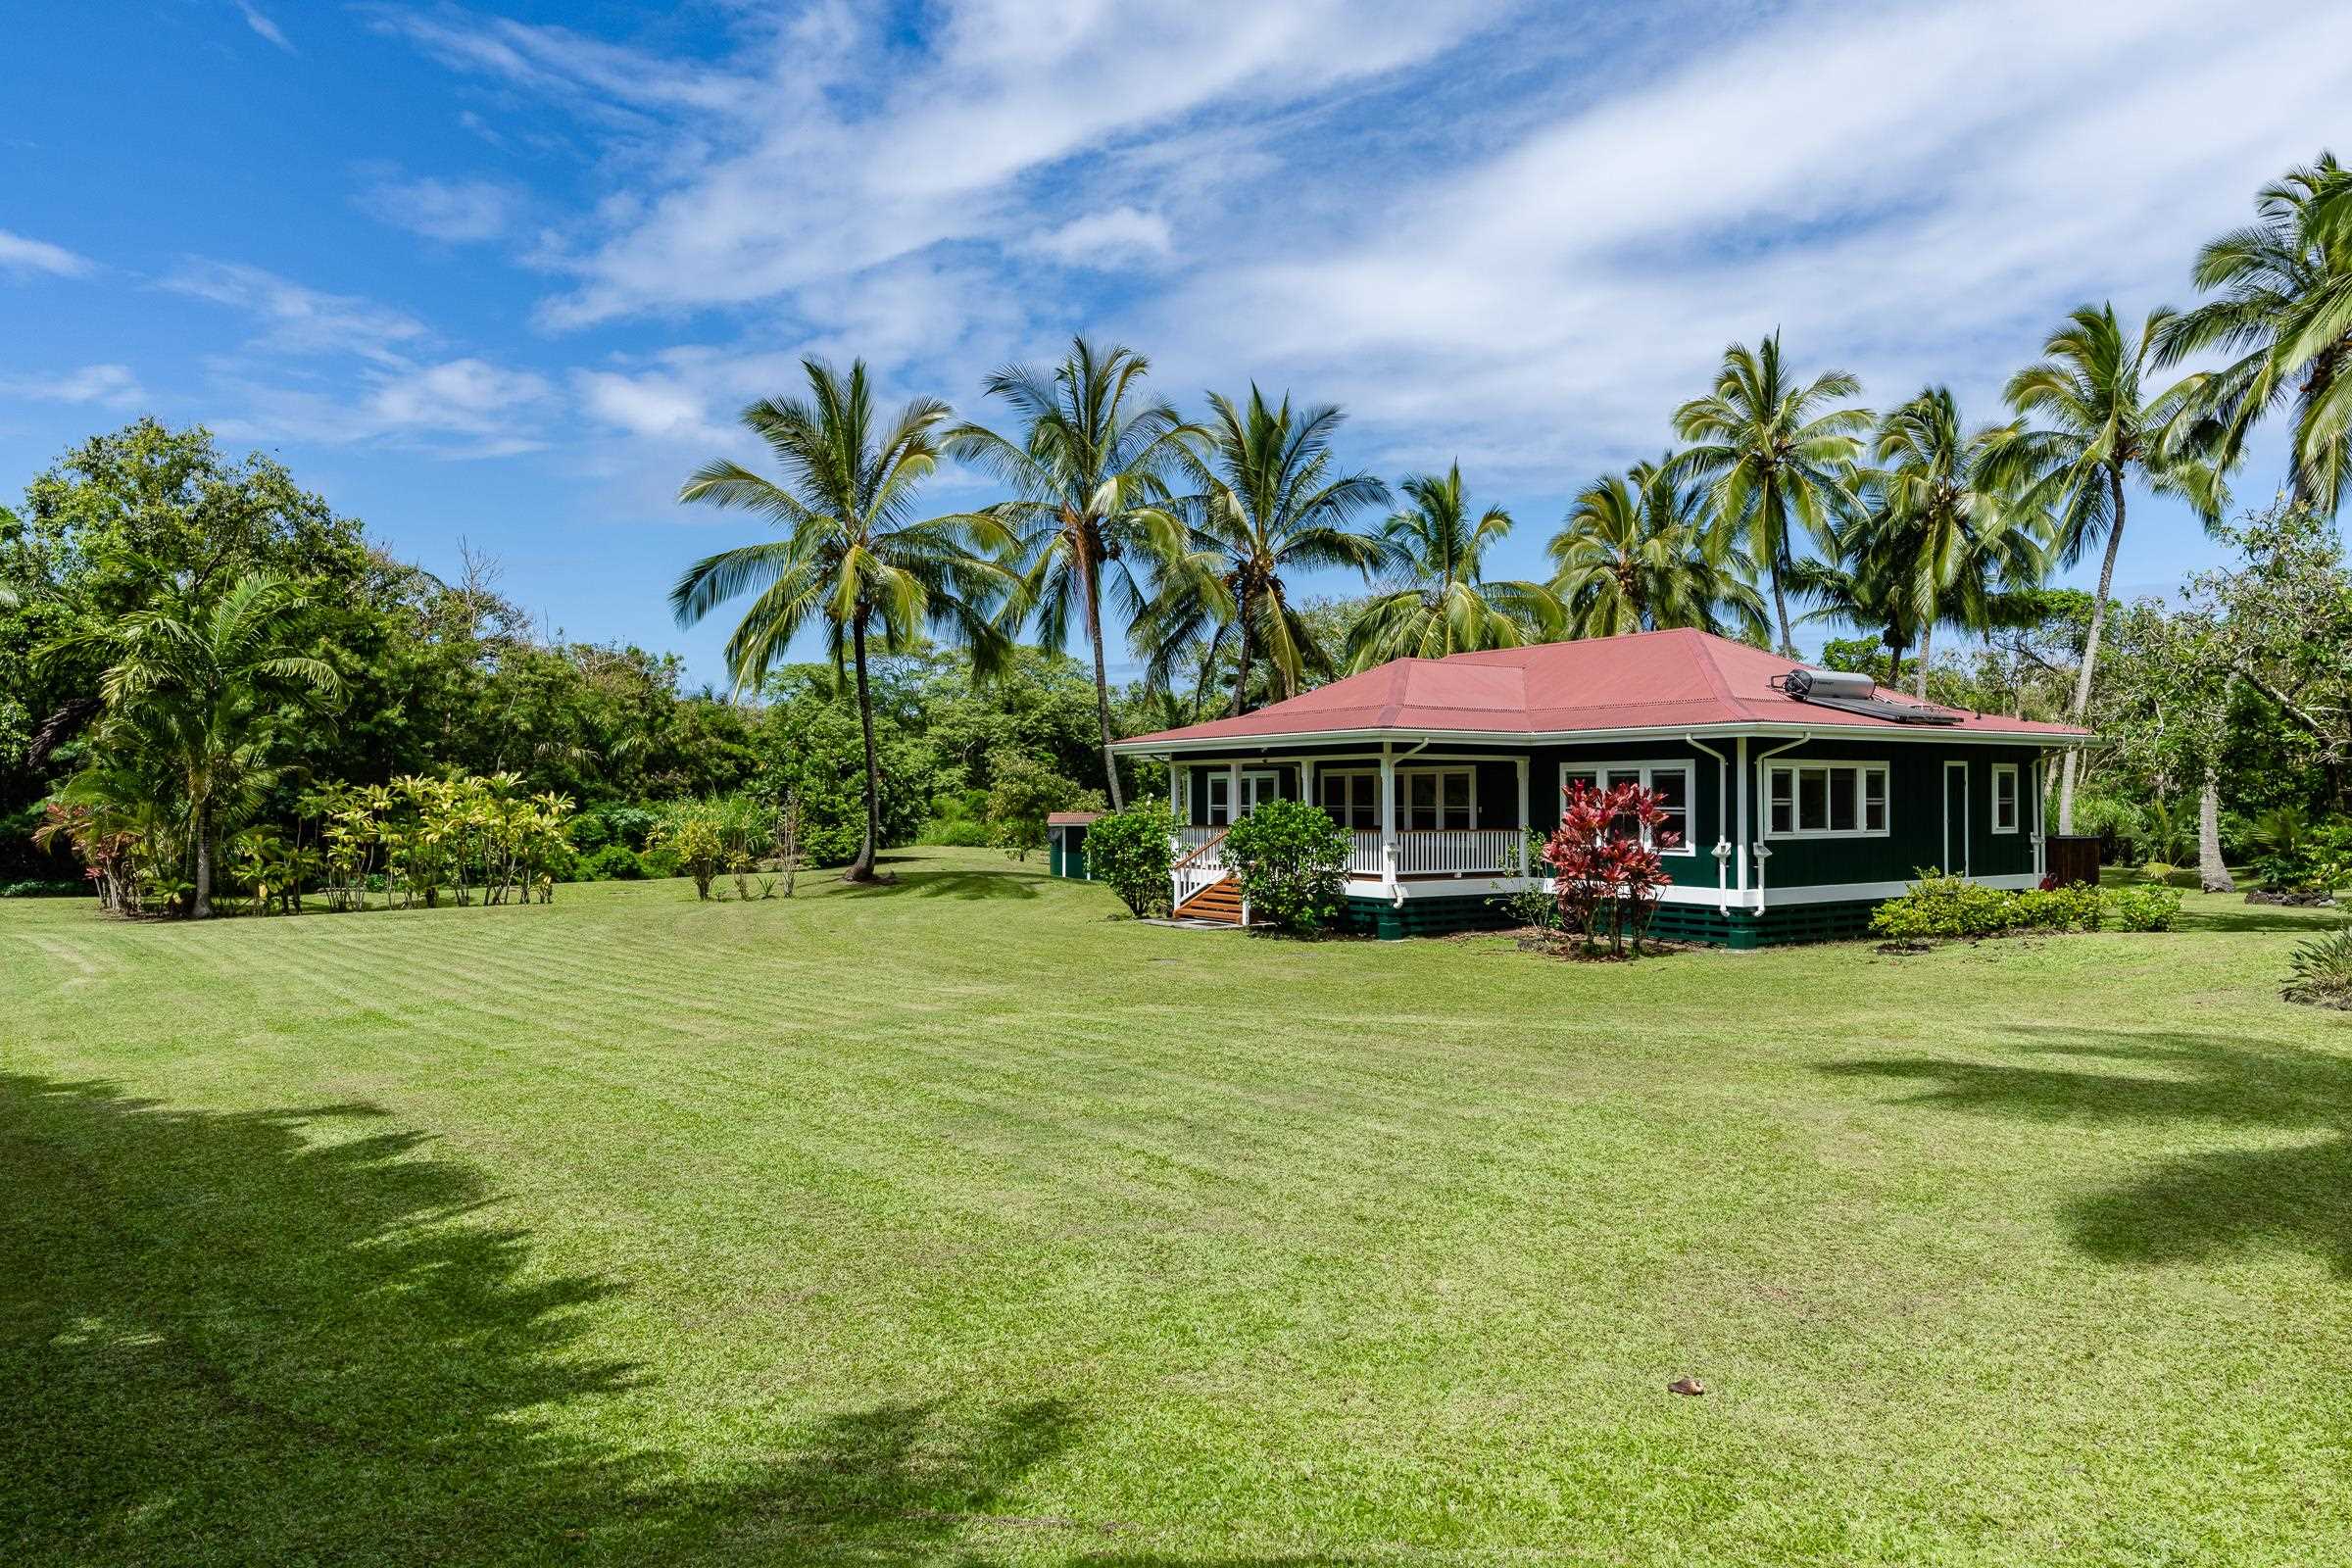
pixel 1802 798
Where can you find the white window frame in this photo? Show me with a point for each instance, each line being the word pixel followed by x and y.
pixel 1689 772
pixel 1863 769
pixel 1405 796
pixel 1214 811
pixel 1260 785
pixel 2017 798
pixel 1324 774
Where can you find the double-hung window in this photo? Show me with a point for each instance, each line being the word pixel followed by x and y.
pixel 2004 797
pixel 1436 798
pixel 1670 780
pixel 1824 799
pixel 1352 796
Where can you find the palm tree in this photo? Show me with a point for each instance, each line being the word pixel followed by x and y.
pixel 1086 477
pixel 1268 504
pixel 1951 522
pixel 2103 430
pixel 852 557
pixel 1778 453
pixel 2285 306
pixel 196 690
pixel 1637 551
pixel 1438 602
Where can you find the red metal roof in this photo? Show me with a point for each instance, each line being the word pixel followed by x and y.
pixel 1661 680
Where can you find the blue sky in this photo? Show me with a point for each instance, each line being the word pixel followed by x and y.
pixel 504 273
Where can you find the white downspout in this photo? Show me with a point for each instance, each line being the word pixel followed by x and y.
pixel 1722 842
pixel 1763 854
pixel 1739 883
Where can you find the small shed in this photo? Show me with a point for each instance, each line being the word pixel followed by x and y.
pixel 1065 842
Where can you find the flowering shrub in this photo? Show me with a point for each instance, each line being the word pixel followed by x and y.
pixel 1606 870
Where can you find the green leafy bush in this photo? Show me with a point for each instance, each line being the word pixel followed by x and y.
pixel 2143 909
pixel 615 862
pixel 1132 851
pixel 1538 906
pixel 956 832
pixel 2321 970
pixel 813 752
pixel 2067 908
pixel 1944 907
pixel 661 860
pixel 2116 822
pixel 2311 860
pixel 1293 864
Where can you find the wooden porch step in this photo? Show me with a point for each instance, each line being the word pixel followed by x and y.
pixel 1219 901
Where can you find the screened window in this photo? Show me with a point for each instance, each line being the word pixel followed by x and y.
pixel 2004 797
pixel 1826 799
pixel 1351 798
pixel 1671 782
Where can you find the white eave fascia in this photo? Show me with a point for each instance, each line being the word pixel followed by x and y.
pixel 1573 737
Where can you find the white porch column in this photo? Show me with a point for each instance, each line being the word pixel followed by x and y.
pixel 1526 816
pixel 1233 794
pixel 1741 843
pixel 1306 780
pixel 1175 805
pixel 1388 816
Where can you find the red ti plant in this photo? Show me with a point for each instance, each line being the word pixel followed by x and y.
pixel 1605 863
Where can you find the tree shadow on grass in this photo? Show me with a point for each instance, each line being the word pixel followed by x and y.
pixel 229 1339
pixel 970 885
pixel 2194 1206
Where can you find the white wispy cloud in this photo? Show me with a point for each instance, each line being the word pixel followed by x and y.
pixel 112 386
pixel 261 24
pixel 465 408
pixel 1122 234
pixel 24 256
pixel 458 211
pixel 297 318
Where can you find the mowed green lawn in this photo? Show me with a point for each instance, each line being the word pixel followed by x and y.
pixel 964 1223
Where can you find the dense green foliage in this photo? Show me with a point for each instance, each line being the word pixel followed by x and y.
pixel 1940 908
pixel 1131 851
pixel 2320 969
pixel 1293 863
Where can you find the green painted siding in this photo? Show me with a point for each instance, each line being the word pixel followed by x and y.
pixel 1694 869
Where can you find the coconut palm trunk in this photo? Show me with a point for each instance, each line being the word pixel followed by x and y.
pixel 2212 875
pixel 200 824
pixel 861 870
pixel 2080 707
pixel 1927 636
pixel 1094 636
pixel 1241 679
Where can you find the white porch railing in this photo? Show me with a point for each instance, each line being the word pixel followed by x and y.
pixel 1490 851
pixel 1189 838
pixel 1363 858
pixel 1201 866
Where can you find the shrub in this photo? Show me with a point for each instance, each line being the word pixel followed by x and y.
pixel 2067 909
pixel 696 833
pixel 1945 908
pixel 1132 851
pixel 661 860
pixel 1537 905
pixel 2143 909
pixel 1605 860
pixel 1293 864
pixel 2307 860
pixel 615 862
pixel 2321 970
pixel 957 833
pixel 2116 822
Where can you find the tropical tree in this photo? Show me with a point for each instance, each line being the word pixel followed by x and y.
pixel 1267 503
pixel 1436 601
pixel 2101 429
pixel 1951 522
pixel 1777 451
pixel 853 558
pixel 1087 478
pixel 2285 306
pixel 198 687
pixel 1637 551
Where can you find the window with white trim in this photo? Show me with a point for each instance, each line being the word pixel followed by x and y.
pixel 1436 798
pixel 1350 795
pixel 1219 812
pixel 2004 797
pixel 1824 799
pixel 1670 780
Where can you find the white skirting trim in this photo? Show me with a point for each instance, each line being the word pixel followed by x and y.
pixel 1466 887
